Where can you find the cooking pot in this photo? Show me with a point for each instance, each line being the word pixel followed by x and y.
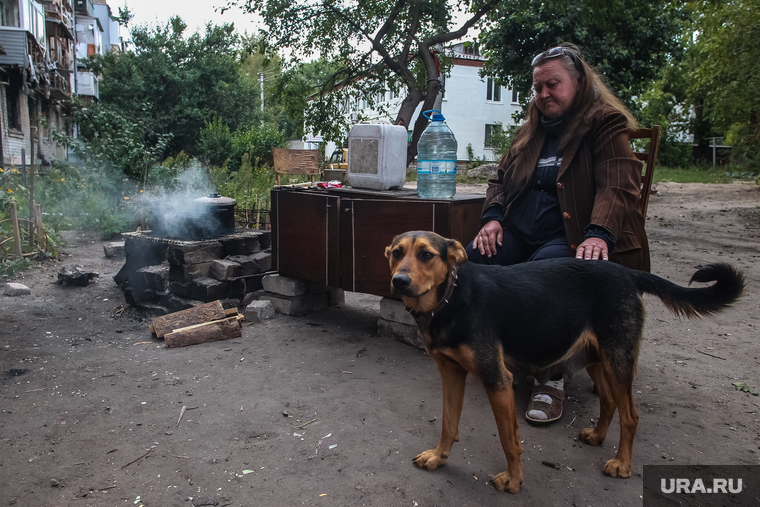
pixel 218 212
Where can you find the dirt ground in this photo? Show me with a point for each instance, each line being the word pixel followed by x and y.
pixel 92 419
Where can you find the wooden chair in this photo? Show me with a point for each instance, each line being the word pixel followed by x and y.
pixel 295 162
pixel 649 158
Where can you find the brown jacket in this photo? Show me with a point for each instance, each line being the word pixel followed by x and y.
pixel 598 182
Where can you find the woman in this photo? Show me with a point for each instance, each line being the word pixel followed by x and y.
pixel 569 186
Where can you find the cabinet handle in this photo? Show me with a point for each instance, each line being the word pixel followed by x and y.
pixel 347 210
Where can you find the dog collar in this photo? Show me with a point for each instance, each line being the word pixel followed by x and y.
pixel 451 283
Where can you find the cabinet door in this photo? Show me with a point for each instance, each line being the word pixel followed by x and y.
pixel 367 227
pixel 306 236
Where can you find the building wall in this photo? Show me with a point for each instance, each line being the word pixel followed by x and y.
pixel 15 140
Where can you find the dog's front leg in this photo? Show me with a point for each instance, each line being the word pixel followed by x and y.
pixel 503 405
pixel 453 378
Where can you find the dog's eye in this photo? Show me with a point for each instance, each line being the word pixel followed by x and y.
pixel 426 256
pixel 397 254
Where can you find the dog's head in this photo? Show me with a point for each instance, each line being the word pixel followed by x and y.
pixel 420 263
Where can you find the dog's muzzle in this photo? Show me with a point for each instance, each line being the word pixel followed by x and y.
pixel 401 283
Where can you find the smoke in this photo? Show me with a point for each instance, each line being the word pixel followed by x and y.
pixel 175 213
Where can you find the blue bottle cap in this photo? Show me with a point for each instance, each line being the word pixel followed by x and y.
pixel 435 116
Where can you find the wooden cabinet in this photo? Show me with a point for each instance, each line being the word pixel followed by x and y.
pixel 337 237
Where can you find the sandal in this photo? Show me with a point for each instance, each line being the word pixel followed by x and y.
pixel 553 410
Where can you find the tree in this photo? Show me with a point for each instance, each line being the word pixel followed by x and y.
pixel 372 46
pixel 185 81
pixel 726 75
pixel 627 41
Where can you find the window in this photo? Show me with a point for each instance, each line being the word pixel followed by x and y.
pixel 381 97
pixel 491 129
pixel 493 90
pixel 12 104
pixel 515 97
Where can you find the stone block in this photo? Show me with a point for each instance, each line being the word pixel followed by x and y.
pixel 135 297
pixel 207 289
pixel 400 332
pixel 291 305
pixel 236 288
pixel 248 265
pixel 194 253
pixel 136 280
pixel 16 289
pixel 114 249
pixel 265 239
pixel 395 311
pixel 321 302
pixel 284 285
pixel 187 272
pixel 156 277
pixel 181 289
pixel 254 282
pixel 264 260
pixel 237 246
pixel 336 297
pixel 249 298
pixel 259 311
pixel 317 288
pixel 176 303
pixel 230 303
pixel 252 245
pixel 224 269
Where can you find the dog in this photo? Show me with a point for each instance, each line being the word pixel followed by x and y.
pixel 538 318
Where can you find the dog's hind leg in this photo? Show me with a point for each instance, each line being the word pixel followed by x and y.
pixel 503 406
pixel 595 436
pixel 622 394
pixel 453 378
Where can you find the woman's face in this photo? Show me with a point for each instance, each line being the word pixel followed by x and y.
pixel 555 88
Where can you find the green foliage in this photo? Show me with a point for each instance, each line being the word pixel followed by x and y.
pixel 185 81
pixel 220 146
pixel 626 41
pixel 12 267
pixel 727 74
pixel 659 106
pixel 701 174
pixel 246 185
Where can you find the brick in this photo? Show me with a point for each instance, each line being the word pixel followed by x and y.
pixel 224 269
pixel 177 303
pixel 284 286
pixel 230 303
pixel 249 298
pixel 248 265
pixel 156 277
pixel 16 289
pixel 136 297
pixel 259 311
pixel 188 272
pixel 265 239
pixel 291 305
pixel 181 289
pixel 208 289
pixel 194 254
pixel 400 332
pixel 236 288
pixel 237 246
pixel 395 311
pixel 336 297
pixel 254 282
pixel 136 280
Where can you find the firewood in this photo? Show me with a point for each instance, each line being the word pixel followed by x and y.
pixel 204 333
pixel 177 320
pixel 229 312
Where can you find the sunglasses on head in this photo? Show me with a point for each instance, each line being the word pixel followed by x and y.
pixel 555 52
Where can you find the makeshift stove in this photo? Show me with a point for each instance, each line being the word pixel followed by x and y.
pixel 166 273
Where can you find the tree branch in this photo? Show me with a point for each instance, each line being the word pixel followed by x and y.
pixel 389 22
pixel 462 31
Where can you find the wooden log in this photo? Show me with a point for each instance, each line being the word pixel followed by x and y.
pixel 41 237
pixel 16 232
pixel 230 312
pixel 192 316
pixel 203 333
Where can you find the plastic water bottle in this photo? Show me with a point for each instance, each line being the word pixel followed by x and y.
pixel 436 159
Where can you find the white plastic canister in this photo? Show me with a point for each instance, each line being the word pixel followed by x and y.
pixel 377 156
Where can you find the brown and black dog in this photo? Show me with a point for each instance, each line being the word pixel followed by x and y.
pixel 539 318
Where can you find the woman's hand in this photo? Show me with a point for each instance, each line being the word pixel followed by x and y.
pixel 489 236
pixel 593 249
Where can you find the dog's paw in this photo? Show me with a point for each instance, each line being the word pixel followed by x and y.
pixel 505 482
pixel 429 459
pixel 617 468
pixel 590 436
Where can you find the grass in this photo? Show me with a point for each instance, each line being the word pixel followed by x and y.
pixel 700 174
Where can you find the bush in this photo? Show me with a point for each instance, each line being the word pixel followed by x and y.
pixel 219 144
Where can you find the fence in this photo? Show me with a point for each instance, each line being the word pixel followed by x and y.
pixel 258 217
pixel 25 232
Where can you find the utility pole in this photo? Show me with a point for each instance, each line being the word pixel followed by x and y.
pixel 261 80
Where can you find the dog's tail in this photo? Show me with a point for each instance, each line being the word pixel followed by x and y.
pixel 696 302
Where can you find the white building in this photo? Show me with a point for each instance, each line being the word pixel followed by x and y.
pixel 472 105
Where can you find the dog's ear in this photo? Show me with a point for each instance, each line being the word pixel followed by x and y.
pixel 456 254
pixel 388 251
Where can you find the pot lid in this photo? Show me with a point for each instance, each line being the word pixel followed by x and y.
pixel 215 200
